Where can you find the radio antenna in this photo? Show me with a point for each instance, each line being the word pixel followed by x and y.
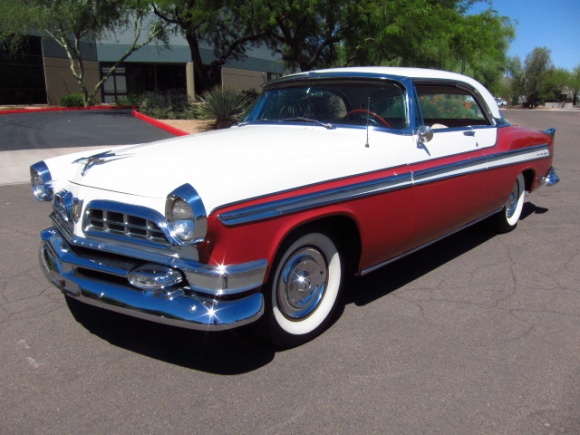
pixel 367 145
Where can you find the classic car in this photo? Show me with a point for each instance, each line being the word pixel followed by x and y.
pixel 329 175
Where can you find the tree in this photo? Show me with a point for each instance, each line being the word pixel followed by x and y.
pixel 536 67
pixel 432 33
pixel 223 24
pixel 515 74
pixel 70 22
pixel 480 43
pixel 575 84
pixel 306 33
pixel 557 85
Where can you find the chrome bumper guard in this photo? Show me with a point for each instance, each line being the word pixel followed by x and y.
pixel 177 306
pixel 551 179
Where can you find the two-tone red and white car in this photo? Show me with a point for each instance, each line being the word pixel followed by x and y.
pixel 330 174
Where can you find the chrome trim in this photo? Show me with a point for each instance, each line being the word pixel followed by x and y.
pixel 510 157
pixel 314 200
pixel 451 170
pixel 219 280
pixel 550 132
pixel 41 182
pixel 126 235
pixel 226 280
pixel 310 201
pixel 154 277
pixel 99 159
pixel 551 178
pixel 188 194
pixel 179 306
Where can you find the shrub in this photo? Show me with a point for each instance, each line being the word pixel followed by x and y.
pixel 172 104
pixel 72 100
pixel 223 105
pixel 132 100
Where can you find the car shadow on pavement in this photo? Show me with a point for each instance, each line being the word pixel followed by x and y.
pixel 236 351
pixel 229 352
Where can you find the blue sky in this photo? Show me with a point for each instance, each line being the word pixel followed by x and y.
pixel 554 24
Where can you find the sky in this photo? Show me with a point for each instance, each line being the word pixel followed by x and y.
pixel 554 24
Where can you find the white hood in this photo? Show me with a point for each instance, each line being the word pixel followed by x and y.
pixel 234 164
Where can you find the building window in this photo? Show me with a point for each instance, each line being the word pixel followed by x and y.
pixel 137 78
pixel 115 86
pixel 22 74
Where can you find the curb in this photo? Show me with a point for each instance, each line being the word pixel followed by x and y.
pixel 168 128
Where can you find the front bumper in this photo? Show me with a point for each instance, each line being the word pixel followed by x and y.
pixel 85 277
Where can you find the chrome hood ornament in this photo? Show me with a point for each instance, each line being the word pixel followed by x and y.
pixel 99 159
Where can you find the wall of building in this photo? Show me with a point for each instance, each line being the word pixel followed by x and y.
pixel 60 81
pixel 242 79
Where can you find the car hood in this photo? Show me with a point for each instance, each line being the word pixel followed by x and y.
pixel 228 165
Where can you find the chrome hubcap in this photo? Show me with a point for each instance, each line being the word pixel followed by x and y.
pixel 302 283
pixel 512 202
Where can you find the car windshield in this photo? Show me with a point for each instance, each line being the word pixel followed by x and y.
pixel 332 102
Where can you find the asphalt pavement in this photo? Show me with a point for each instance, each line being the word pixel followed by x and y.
pixel 26 138
pixel 476 334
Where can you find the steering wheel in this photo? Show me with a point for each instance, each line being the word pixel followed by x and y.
pixel 378 119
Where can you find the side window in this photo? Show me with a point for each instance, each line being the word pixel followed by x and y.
pixel 448 106
pixel 392 109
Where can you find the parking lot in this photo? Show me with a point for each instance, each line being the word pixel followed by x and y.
pixel 476 334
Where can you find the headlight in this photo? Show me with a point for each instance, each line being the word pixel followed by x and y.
pixel 186 216
pixel 41 181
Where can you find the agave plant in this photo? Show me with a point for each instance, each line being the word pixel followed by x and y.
pixel 223 105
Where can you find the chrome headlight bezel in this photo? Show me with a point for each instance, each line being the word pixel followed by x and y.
pixel 41 182
pixel 186 216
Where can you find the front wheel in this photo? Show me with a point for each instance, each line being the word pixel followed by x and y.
pixel 303 293
pixel 507 218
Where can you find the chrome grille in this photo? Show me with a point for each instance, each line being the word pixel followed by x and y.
pixel 123 225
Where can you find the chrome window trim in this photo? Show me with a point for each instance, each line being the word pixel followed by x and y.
pixel 310 201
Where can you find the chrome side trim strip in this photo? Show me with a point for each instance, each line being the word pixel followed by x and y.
pixel 313 200
pixel 360 190
pixel 518 156
pixel 449 171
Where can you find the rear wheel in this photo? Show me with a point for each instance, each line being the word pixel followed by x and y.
pixel 304 290
pixel 507 218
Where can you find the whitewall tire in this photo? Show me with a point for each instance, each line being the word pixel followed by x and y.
pixel 507 218
pixel 304 291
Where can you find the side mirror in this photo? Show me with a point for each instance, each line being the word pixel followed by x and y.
pixel 425 134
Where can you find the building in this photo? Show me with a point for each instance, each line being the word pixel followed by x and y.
pixel 41 75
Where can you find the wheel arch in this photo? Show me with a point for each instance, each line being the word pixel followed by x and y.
pixel 341 228
pixel 529 178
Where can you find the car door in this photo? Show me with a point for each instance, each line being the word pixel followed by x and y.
pixel 449 171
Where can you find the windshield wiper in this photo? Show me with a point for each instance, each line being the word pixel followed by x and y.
pixel 313 121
